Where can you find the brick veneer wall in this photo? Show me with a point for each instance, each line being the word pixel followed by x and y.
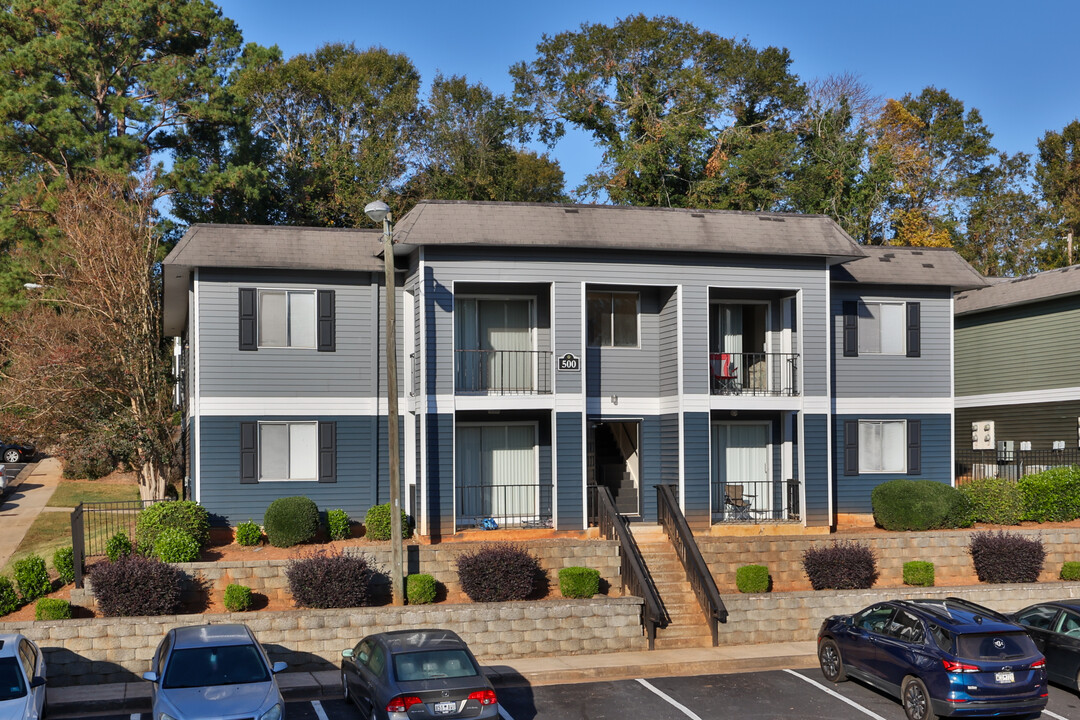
pixel 947 549
pixel 791 617
pixel 107 650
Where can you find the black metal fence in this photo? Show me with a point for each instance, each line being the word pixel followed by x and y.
pixel 509 372
pixel 756 501
pixel 93 524
pixel 1010 464
pixel 516 506
pixel 773 374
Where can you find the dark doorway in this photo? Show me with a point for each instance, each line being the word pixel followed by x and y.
pixel 614 462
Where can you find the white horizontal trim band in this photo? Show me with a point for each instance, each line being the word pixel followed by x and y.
pixel 893 406
pixel 1025 397
pixel 258 406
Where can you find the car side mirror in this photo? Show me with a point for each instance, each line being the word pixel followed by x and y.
pixel 151 676
pixel 278 667
pixel 347 652
pixel 37 682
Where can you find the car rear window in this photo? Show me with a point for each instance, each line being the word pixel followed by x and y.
pixel 206 666
pixel 994 646
pixel 432 664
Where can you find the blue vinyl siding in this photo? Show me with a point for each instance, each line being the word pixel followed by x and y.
pixel 669 449
pixel 696 469
pixel 816 459
pixel 440 474
pixel 382 454
pixel 568 483
pixel 651 476
pixel 853 491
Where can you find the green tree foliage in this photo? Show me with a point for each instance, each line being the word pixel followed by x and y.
pixel 684 116
pixel 1057 173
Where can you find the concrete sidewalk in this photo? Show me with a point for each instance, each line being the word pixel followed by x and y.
pixel 135 696
pixel 36 484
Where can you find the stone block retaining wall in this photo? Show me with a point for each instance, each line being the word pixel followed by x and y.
pixel 947 549
pixel 105 650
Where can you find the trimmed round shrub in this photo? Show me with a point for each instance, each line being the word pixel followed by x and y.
pixel 136 585
pixel 1050 496
pixel 579 582
pixel 1001 557
pixel 843 565
pixel 337 524
pixel 1070 570
pixel 52 609
pixel 173 545
pixel 498 572
pixel 290 521
pixel 330 580
pixel 64 562
pixel 248 533
pixel 420 589
pixel 993 500
pixel 918 505
pixel 752 579
pixel 919 573
pixel 118 546
pixel 184 515
pixel 237 598
pixel 9 599
pixel 377 523
pixel 32 577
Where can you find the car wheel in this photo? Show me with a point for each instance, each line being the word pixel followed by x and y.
pixel 345 687
pixel 832 665
pixel 11 456
pixel 916 700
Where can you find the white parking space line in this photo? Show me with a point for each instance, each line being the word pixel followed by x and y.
pixel 505 715
pixel 686 711
pixel 1054 715
pixel 835 694
pixel 136 716
pixel 319 710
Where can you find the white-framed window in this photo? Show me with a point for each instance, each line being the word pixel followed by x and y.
pixel 612 318
pixel 288 451
pixel 883 446
pixel 882 327
pixel 287 318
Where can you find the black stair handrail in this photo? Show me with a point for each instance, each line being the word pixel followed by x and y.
pixel 635 578
pixel 697 572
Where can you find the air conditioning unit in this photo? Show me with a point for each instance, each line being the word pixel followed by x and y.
pixel 1025 446
pixel 1005 451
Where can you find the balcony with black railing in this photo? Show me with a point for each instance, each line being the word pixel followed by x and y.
pixel 502 372
pixel 503 506
pixel 756 501
pixel 755 374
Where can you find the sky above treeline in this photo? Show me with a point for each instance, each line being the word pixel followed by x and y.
pixel 1017 62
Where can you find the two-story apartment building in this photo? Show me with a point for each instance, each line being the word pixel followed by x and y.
pixel 766 365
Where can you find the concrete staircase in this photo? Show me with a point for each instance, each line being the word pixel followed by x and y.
pixel 687 628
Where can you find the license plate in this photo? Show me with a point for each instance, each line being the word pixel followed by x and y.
pixel 446 708
pixel 1004 677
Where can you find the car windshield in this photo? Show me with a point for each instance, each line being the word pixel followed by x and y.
pixel 223 665
pixel 433 664
pixel 996 646
pixel 11 679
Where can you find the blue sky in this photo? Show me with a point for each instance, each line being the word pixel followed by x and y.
pixel 1014 61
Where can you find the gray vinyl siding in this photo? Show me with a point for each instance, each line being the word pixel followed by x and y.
pixel 568 483
pixel 669 449
pixel 226 371
pixel 630 372
pixel 230 501
pixel 439 334
pixel 668 326
pixel 816 459
pixel 695 339
pixel 696 491
pixel 568 333
pixel 1028 347
pixel 1038 423
pixel 853 491
pixel 440 474
pixel 895 375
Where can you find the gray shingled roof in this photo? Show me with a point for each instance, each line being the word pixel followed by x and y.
pixel 619 227
pixel 1004 292
pixel 888 265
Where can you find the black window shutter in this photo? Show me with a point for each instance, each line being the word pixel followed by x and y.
pixel 851 447
pixel 327 452
pixel 914 330
pixel 914 447
pixel 327 322
pixel 249 452
pixel 249 336
pixel 851 328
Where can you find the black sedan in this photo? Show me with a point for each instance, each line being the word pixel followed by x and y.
pixel 1055 628
pixel 12 452
pixel 416 674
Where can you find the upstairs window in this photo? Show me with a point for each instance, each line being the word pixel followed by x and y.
pixel 287 318
pixel 612 319
pixel 881 328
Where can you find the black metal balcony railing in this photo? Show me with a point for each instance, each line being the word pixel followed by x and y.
pixel 774 374
pixel 756 501
pixel 509 372
pixel 1010 464
pixel 516 506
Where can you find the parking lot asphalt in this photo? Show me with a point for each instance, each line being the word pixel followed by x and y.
pixel 767 695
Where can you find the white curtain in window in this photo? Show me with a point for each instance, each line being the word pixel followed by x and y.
pixel 883 446
pixel 303 451
pixel 869 328
pixel 273 451
pixel 506 329
pixel 468 362
pixel 892 328
pixel 490 458
pixel 302 319
pixel 731 321
pixel 741 457
pixel 272 319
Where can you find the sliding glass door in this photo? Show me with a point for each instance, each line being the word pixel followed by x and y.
pixel 496 473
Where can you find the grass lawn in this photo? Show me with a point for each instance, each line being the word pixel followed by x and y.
pixel 70 493
pixel 49 531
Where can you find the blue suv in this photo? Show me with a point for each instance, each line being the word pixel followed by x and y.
pixel 945 657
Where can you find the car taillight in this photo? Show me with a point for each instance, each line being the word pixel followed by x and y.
pixel 958 667
pixel 402 703
pixel 486 697
pixel 1038 664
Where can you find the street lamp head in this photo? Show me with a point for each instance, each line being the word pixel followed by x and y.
pixel 377 211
